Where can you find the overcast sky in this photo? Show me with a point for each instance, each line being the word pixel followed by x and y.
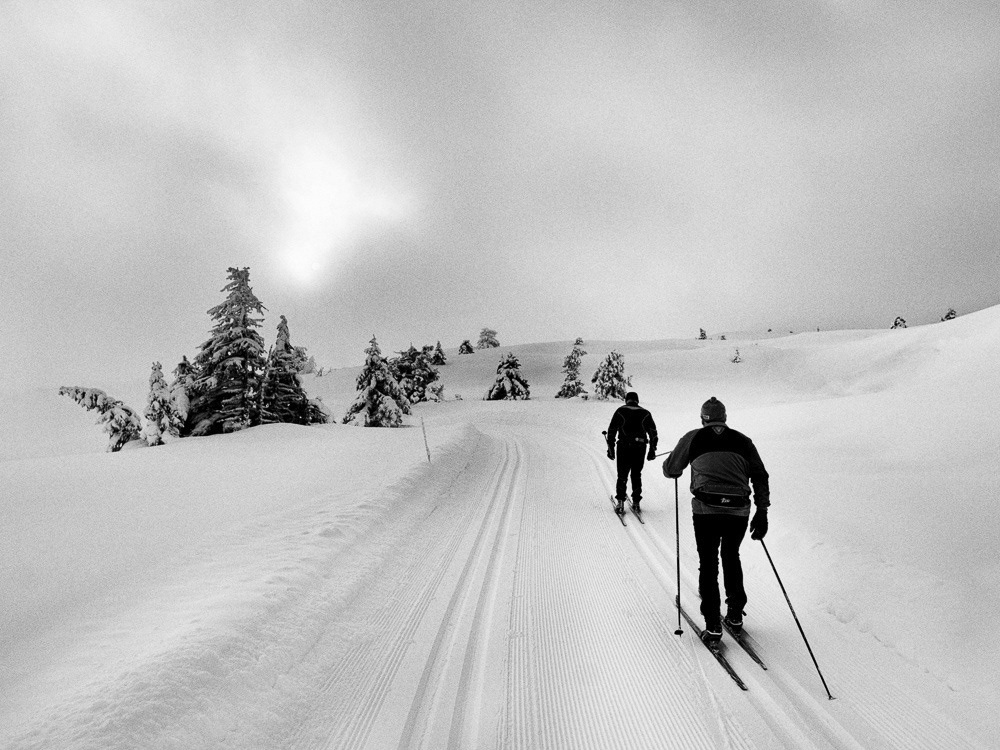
pixel 419 170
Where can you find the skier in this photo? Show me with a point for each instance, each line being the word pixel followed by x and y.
pixel 723 463
pixel 634 427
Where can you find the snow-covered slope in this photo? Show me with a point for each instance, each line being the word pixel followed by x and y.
pixel 328 587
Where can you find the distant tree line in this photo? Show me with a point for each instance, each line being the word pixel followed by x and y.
pixel 235 381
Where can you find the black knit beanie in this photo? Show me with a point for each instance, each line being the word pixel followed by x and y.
pixel 632 398
pixel 713 410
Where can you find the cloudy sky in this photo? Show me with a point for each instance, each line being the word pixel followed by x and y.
pixel 418 170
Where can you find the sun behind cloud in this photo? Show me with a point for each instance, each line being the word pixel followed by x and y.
pixel 326 201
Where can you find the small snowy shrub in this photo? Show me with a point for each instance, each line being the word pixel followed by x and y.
pixel 573 386
pixel 161 416
pixel 415 373
pixel 121 423
pixel 487 339
pixel 380 401
pixel 610 381
pixel 510 383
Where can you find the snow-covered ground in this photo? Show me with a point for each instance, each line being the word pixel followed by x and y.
pixel 328 587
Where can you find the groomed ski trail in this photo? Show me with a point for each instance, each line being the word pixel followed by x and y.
pixel 492 600
pixel 786 705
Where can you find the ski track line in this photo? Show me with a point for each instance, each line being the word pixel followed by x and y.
pixel 582 691
pixel 415 620
pixel 389 635
pixel 787 725
pixel 726 733
pixel 731 730
pixel 893 722
pixel 451 645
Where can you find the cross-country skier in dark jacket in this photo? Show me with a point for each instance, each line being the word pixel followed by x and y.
pixel 724 463
pixel 635 429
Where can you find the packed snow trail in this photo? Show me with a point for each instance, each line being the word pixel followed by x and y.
pixel 493 600
pixel 516 612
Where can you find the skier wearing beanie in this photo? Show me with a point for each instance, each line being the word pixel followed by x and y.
pixel 634 428
pixel 724 463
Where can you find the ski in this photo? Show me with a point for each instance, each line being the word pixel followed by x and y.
pixel 621 516
pixel 742 639
pixel 714 648
pixel 636 513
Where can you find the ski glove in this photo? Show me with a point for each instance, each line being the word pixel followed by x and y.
pixel 652 454
pixel 758 524
pixel 611 452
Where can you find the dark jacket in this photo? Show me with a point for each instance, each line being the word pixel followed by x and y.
pixel 724 463
pixel 634 426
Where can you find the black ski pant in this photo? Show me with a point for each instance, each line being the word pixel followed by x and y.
pixel 720 535
pixel 631 457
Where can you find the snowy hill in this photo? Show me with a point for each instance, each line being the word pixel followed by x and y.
pixel 291 587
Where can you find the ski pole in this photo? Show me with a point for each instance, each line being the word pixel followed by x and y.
pixel 677 526
pixel 792 609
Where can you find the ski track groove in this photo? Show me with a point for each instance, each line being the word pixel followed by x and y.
pixel 358 733
pixel 472 677
pixel 386 643
pixel 570 690
pixel 896 721
pixel 571 661
pixel 427 701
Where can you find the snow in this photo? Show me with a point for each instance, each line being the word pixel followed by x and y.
pixel 327 586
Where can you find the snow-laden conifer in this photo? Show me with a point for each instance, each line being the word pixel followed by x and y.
pixel 438 359
pixel 487 339
pixel 121 423
pixel 283 399
pixel 380 401
pixel 950 315
pixel 899 323
pixel 226 393
pixel 182 385
pixel 416 374
pixel 161 419
pixel 609 380
pixel 466 348
pixel 573 386
pixel 510 383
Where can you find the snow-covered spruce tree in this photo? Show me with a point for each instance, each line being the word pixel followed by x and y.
pixel 950 315
pixel 510 383
pixel 121 423
pixel 225 396
pixel 283 399
pixel 466 348
pixel 487 339
pixel 899 323
pixel 736 358
pixel 182 385
pixel 416 374
pixel 573 386
pixel 609 380
pixel 380 401
pixel 161 418
pixel 438 359
pixel 701 334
